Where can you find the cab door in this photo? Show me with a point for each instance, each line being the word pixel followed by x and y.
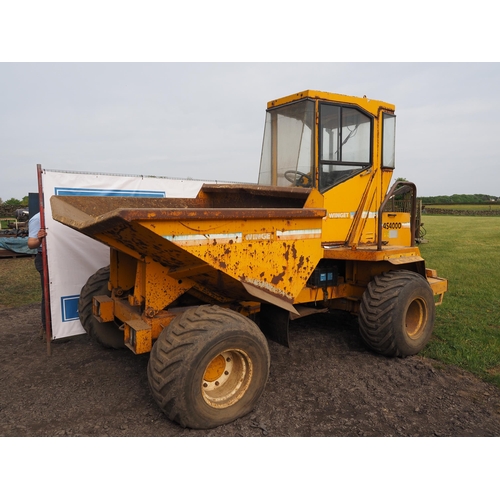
pixel 345 169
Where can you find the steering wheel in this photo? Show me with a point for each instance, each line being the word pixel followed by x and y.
pixel 298 178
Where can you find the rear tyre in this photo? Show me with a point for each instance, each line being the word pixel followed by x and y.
pixel 396 315
pixel 107 334
pixel 208 367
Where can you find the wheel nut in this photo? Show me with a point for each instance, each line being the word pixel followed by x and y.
pixel 216 383
pixel 205 385
pixel 226 373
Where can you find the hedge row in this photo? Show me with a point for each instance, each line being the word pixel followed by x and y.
pixel 449 211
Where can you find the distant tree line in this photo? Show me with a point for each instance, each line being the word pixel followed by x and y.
pixel 460 199
pixel 14 202
pixel 429 200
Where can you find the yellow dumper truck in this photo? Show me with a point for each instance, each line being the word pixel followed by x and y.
pixel 200 283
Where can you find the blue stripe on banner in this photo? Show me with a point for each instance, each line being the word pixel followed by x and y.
pixel 69 308
pixel 65 191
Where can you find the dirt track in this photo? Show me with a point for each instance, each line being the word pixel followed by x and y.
pixel 326 384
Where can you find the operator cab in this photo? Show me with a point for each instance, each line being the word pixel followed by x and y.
pixel 339 142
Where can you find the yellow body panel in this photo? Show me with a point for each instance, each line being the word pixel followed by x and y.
pixel 277 256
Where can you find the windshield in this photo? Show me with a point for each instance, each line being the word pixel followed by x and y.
pixel 288 146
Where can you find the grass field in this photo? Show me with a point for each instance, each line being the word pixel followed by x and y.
pixel 20 282
pixel 466 251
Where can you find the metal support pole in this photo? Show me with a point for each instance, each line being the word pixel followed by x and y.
pixel 46 292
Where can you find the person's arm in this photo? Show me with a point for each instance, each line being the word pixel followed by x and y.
pixel 36 242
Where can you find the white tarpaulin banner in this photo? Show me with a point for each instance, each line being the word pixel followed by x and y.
pixel 73 257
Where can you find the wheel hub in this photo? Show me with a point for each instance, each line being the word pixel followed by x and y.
pixel 416 317
pixel 226 378
pixel 215 369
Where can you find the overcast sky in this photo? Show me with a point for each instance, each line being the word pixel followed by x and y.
pixel 206 120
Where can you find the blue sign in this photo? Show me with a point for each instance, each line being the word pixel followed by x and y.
pixel 69 308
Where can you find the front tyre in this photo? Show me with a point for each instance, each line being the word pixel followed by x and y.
pixel 208 367
pixel 397 311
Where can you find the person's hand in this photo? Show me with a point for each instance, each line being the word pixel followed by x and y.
pixel 41 234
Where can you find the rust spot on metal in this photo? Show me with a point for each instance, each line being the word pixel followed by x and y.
pixel 276 279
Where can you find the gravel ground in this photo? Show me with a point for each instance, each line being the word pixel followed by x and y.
pixel 326 384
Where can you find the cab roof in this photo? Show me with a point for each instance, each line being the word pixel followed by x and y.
pixel 370 105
